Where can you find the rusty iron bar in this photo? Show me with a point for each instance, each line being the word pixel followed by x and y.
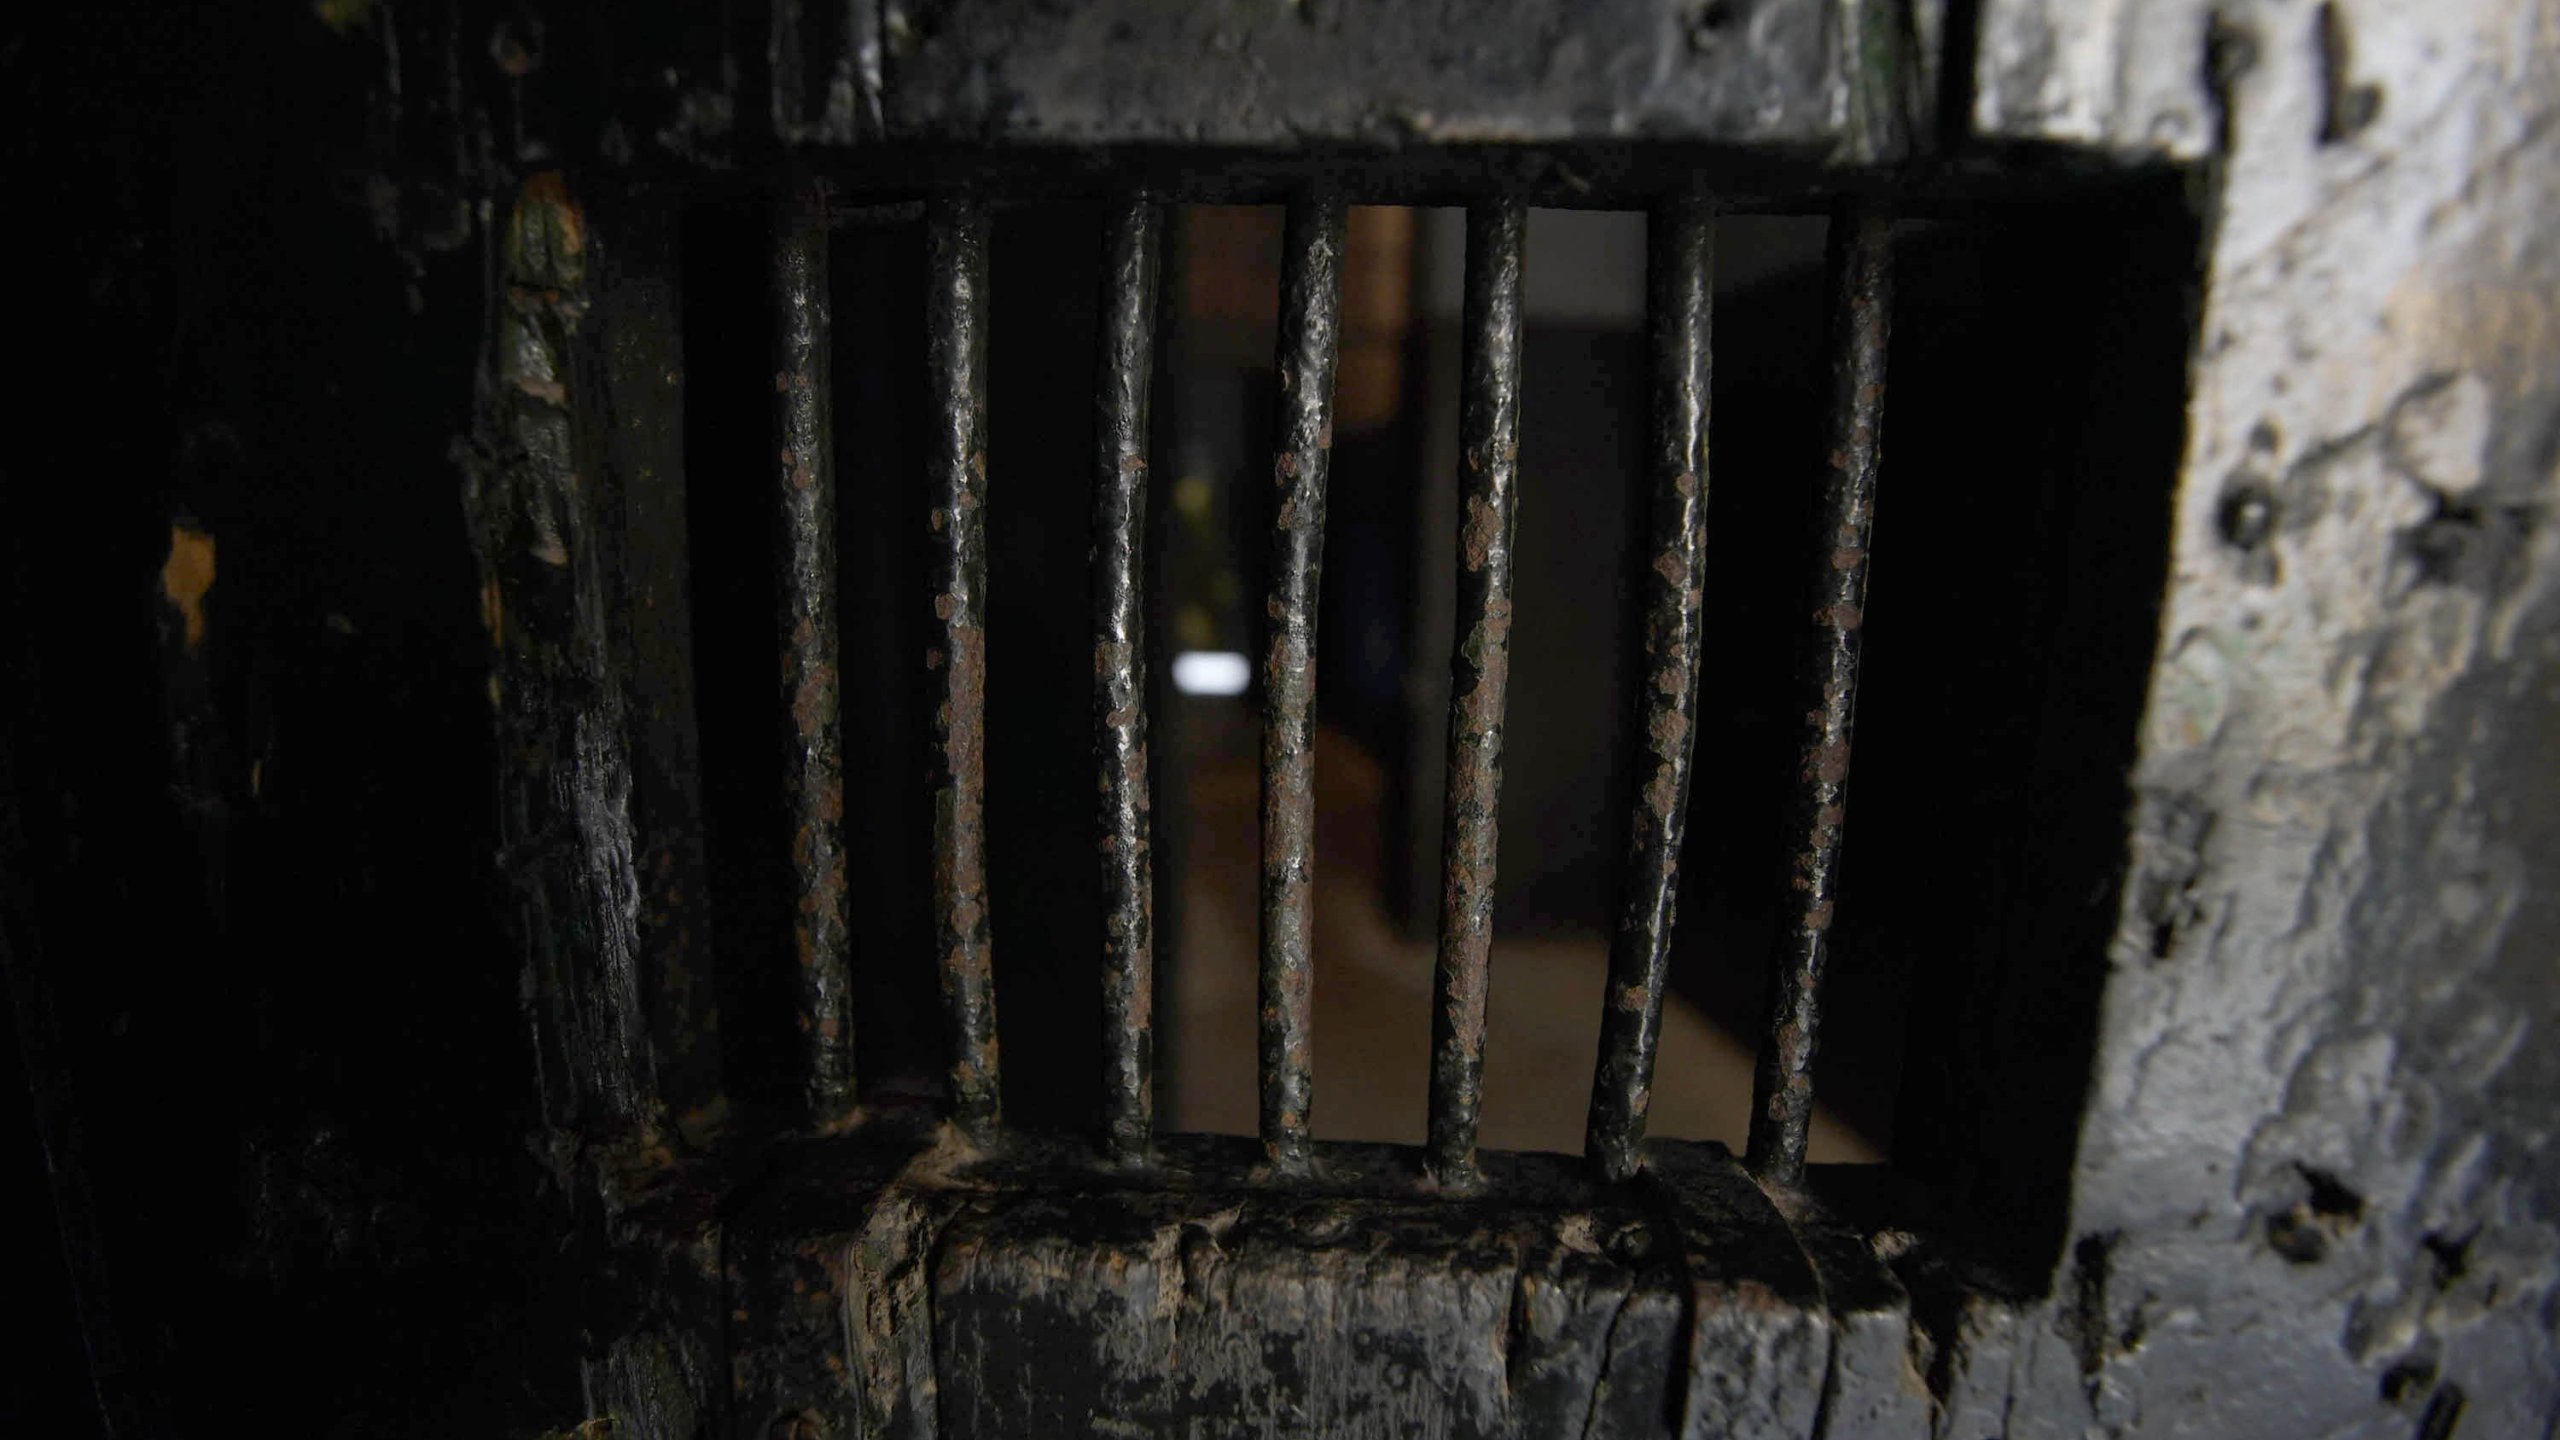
pixel 813 757
pixel 1680 259
pixel 1861 263
pixel 956 486
pixel 1133 247
pixel 1309 346
pixel 1479 677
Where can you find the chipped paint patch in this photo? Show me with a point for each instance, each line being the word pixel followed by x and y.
pixel 186 577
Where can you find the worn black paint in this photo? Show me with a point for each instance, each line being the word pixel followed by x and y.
pixel 1126 821
pixel 1479 677
pixel 1529 1314
pixel 1681 290
pixel 822 1278
pixel 813 767
pixel 1758 1342
pixel 720 89
pixel 1862 315
pixel 1310 310
pixel 1880 1380
pixel 956 486
pixel 1372 71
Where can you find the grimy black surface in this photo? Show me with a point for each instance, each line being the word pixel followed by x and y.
pixel 352 325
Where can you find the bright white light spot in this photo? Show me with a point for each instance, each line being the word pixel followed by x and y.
pixel 1211 672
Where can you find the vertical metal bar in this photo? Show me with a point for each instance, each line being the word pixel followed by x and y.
pixel 956 481
pixel 1680 259
pixel 1132 247
pixel 813 766
pixel 1310 311
pixel 1479 677
pixel 1861 320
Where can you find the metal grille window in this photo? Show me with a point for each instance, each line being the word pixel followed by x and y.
pixel 912 1261
pixel 958 286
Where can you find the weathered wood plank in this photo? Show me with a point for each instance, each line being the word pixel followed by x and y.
pixel 557 684
pixel 1156 1313
pixel 881 1284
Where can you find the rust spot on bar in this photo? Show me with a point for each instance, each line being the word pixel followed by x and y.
pixel 1670 731
pixel 1482 527
pixel 1662 794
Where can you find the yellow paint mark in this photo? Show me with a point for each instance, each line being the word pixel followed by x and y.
pixel 187 576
